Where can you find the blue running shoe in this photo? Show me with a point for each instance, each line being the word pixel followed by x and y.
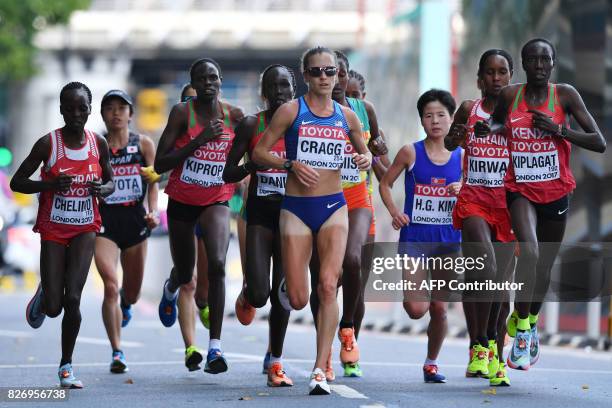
pixel 126 311
pixel 266 363
pixel 167 308
pixel 66 377
pixel 519 358
pixel 118 364
pixel 215 362
pixel 431 374
pixel 534 349
pixel 34 315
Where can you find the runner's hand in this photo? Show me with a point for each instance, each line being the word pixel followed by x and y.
pixel 150 176
pixel 543 122
pixel 305 174
pixel 211 132
pixel 400 220
pixel 482 129
pixel 454 188
pixel 457 133
pixel 378 146
pixel 362 161
pixel 152 219
pixel 95 186
pixel 62 182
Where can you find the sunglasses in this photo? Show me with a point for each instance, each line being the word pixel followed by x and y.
pixel 318 71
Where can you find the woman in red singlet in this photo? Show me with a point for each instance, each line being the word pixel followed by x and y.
pixel 75 173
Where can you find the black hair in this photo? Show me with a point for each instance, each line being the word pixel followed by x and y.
pixel 537 40
pixel 269 68
pixel 313 51
pixel 360 78
pixel 494 51
pixel 342 56
pixel 184 89
pixel 72 86
pixel 439 95
pixel 201 61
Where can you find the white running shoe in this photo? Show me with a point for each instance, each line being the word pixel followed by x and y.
pixel 318 384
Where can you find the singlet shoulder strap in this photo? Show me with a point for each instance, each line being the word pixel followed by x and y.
pixel 475 106
pixel 551 97
pixel 93 143
pixel 518 98
pixel 192 120
pixel 52 159
pixel 261 122
pixel 226 114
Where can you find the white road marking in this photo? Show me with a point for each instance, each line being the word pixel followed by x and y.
pixel 104 342
pixel 15 333
pixel 347 392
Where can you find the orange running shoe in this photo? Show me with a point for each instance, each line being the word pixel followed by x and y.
pixel 277 376
pixel 329 369
pixel 244 311
pixel 349 350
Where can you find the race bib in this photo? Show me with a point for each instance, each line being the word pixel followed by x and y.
pixel 128 184
pixel 205 167
pixel 432 205
pixel 534 158
pixel 72 210
pixel 321 147
pixel 486 171
pixel 271 182
pixel 350 172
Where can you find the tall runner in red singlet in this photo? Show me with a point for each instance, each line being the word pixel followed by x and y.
pixel 75 173
pixel 266 190
pixel 539 180
pixel 482 216
pixel 126 224
pixel 194 145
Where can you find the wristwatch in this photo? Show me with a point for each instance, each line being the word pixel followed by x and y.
pixel 288 165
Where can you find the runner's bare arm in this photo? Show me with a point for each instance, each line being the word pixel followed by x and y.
pixel 381 163
pixel 281 121
pixel 107 185
pixel 21 182
pixel 363 158
pixel 148 151
pixel 404 159
pixel 500 112
pixel 458 130
pixel 236 114
pixel 591 138
pixel 377 144
pixel 245 130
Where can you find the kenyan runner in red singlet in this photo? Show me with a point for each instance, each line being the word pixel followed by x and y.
pixel 76 172
pixel 539 180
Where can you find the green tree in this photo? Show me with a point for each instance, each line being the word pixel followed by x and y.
pixel 19 22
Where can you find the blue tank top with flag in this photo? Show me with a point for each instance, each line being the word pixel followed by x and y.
pixel 428 203
pixel 317 141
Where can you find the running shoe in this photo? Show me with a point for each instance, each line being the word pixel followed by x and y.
pixel 479 364
pixel 204 314
pixel 519 357
pixel 193 358
pixel 318 384
pixel 66 377
pixel 215 362
pixel 167 308
pixel 266 363
pixel 501 377
pixel 468 374
pixel 534 347
pixel 126 312
pixel 283 297
pixel 352 370
pixel 330 375
pixel 34 315
pixel 349 351
pixel 493 359
pixel 244 311
pixel 511 324
pixel 118 364
pixel 431 374
pixel 277 376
